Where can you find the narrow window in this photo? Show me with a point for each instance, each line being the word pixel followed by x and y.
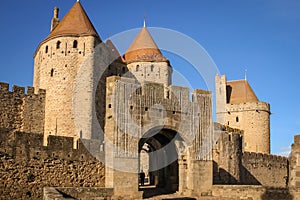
pixel 46 50
pixel 237 119
pixel 75 44
pixel 58 44
pixel 137 68
pixel 228 123
pixel 52 72
pixel 152 67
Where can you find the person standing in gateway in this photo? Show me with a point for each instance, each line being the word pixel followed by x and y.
pixel 142 177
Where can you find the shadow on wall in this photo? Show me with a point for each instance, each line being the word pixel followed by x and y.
pixel 223 177
pixel 247 178
pixel 277 194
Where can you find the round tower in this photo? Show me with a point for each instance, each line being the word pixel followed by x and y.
pixel 237 106
pixel 56 63
pixel 146 62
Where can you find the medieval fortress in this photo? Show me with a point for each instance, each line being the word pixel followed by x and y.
pixel 83 130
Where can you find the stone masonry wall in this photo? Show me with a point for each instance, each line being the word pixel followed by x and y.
pixel 254 119
pixel 239 192
pixel 22 111
pixel 232 166
pixel 26 166
pixel 268 170
pixel 227 158
pixel 57 63
pixel 294 160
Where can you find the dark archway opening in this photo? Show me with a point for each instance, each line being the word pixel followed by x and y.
pixel 159 161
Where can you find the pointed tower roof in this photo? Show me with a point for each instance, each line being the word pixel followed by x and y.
pixel 240 91
pixel 76 22
pixel 143 48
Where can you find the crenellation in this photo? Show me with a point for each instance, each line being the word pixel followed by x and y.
pixel 18 90
pixel 90 105
pixel 4 87
pixel 24 161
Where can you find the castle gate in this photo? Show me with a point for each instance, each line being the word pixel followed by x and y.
pixel 175 131
pixel 158 158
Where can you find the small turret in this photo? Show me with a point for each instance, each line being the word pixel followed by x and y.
pixel 55 19
pixel 145 60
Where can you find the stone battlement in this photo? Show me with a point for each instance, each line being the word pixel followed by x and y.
pixel 24 161
pixel 264 157
pixel 17 90
pixel 17 143
pixel 248 106
pixel 20 110
pixel 175 98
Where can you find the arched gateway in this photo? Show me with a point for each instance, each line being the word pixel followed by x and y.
pixel 175 131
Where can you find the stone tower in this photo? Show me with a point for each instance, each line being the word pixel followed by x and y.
pixel 146 62
pixel 57 61
pixel 237 106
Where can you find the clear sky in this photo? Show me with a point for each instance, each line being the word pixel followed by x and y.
pixel 262 36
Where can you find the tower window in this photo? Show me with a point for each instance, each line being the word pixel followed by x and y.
pixel 237 119
pixel 52 72
pixel 46 49
pixel 152 67
pixel 75 44
pixel 58 44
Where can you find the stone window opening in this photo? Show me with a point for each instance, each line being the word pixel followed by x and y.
pixel 228 123
pixel 58 44
pixel 237 119
pixel 75 44
pixel 152 67
pixel 52 72
pixel 46 49
pixel 137 68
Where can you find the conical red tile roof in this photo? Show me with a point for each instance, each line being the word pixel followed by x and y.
pixel 76 22
pixel 143 48
pixel 240 91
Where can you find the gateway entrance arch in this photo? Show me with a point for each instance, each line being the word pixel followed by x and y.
pixel 158 158
pixel 176 132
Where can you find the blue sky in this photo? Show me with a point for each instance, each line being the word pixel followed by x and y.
pixel 262 36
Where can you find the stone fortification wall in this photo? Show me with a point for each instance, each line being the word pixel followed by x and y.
pixel 227 156
pixel 233 166
pixel 251 192
pixel 26 166
pixel 83 193
pixel 60 65
pixel 22 111
pixel 269 170
pixel 294 160
pixel 254 119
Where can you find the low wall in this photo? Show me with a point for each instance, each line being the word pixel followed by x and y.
pixel 26 166
pixel 251 192
pixel 264 169
pixel 83 193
